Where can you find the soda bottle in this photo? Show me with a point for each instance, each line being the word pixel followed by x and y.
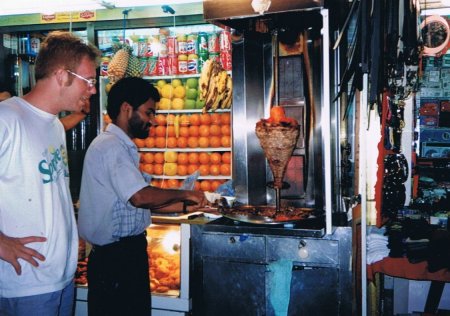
pixel 191 44
pixel 202 40
pixel 192 64
pixel 182 43
pixel 182 64
pixel 201 60
pixel 213 43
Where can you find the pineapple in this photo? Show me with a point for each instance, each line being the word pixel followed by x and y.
pixel 118 64
pixel 134 67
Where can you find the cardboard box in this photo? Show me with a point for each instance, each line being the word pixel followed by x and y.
pixel 429 121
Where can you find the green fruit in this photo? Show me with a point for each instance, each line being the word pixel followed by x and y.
pixel 191 94
pixel 192 83
pixel 199 104
pixel 189 104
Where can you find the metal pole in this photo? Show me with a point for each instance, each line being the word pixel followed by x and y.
pixel 326 117
pixel 363 134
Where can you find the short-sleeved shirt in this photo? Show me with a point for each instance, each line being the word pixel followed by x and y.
pixel 35 198
pixel 111 176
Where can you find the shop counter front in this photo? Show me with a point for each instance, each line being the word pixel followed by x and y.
pixel 402 268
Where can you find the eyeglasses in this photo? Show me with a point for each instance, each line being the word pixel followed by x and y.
pixel 91 82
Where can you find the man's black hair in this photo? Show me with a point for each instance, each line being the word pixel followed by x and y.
pixel 133 90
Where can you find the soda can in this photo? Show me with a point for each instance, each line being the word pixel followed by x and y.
pixel 182 64
pixel 225 40
pixel 172 46
pixel 152 66
pixel 163 65
pixel 192 64
pixel 213 43
pixel 225 59
pixel 35 45
pixel 163 39
pixel 143 65
pixel 215 56
pixel 202 40
pixel 182 44
pixel 201 60
pixel 150 47
pixel 141 47
pixel 191 44
pixel 173 65
pixel 104 65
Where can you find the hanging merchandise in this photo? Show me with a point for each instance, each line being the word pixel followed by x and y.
pixel 395 174
pixel 381 46
pixel 394 125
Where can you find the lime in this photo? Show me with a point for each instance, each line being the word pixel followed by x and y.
pixel 199 104
pixel 192 83
pixel 191 94
pixel 189 104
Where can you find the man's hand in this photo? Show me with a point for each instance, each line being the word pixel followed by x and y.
pixel 11 249
pixel 195 200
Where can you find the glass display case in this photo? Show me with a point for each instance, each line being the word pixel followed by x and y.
pixel 171 58
pixel 169 253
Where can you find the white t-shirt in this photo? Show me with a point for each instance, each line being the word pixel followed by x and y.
pixel 35 199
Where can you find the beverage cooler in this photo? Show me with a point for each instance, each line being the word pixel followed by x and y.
pixel 186 137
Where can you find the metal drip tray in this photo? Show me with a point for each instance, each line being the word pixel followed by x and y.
pixel 312 227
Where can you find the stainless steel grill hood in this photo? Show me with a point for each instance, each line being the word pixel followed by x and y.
pixel 238 9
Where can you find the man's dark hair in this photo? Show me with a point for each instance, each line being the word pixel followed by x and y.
pixel 133 90
pixel 62 49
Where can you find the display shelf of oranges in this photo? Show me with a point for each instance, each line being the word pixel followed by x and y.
pixel 186 111
pixel 187 132
pixel 178 165
pixel 200 185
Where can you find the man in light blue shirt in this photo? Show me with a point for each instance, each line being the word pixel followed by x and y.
pixel 115 204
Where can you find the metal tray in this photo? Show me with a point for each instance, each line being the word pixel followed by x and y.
pixel 259 219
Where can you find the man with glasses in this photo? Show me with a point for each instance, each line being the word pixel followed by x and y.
pixel 38 234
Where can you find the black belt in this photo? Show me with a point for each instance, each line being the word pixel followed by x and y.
pixel 122 240
pixel 131 238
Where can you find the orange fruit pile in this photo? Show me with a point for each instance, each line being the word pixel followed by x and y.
pixel 196 130
pixel 208 163
pixel 201 185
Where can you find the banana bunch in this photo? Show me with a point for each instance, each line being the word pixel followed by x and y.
pixel 216 86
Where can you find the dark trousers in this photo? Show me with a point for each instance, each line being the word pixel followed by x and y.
pixel 118 279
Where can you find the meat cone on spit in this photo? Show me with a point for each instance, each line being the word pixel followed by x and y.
pixel 278 136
